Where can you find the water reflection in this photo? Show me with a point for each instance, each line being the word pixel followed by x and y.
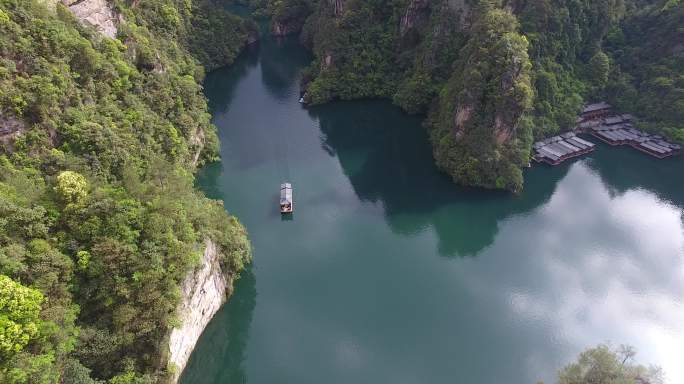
pixel 221 84
pixel 385 155
pixel 600 267
pixel 220 350
pixel 281 62
pixel 354 290
pixel 624 168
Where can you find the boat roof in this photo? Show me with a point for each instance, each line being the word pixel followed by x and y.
pixel 285 193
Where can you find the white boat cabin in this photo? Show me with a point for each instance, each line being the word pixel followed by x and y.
pixel 286 202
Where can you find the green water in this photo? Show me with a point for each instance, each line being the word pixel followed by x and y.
pixel 389 273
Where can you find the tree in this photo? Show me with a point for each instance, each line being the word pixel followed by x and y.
pixel 19 311
pixel 603 365
pixel 72 187
pixel 599 67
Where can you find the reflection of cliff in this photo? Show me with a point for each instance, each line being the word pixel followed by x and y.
pixel 281 61
pixel 219 85
pixel 221 348
pixel 623 168
pixel 207 178
pixel 386 156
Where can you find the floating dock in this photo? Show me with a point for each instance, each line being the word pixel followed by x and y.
pixel 614 129
pixel 557 149
pixel 625 134
pixel 599 121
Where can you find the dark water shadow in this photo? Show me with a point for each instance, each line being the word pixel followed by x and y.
pixel 220 85
pixel 282 59
pixel 220 350
pixel 206 180
pixel 623 169
pixel 387 158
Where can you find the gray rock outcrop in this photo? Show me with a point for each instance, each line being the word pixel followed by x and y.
pixel 95 13
pixel 203 292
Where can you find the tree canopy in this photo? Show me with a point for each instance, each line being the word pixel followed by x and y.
pixel 99 218
pixel 604 365
pixel 19 316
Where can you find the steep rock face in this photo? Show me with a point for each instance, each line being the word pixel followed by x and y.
pixel 415 13
pixel 480 136
pixel 289 16
pixel 203 292
pixel 286 27
pixel 337 6
pixel 197 142
pixel 96 13
pixel 11 127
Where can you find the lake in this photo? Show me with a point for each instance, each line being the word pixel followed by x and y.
pixel 389 273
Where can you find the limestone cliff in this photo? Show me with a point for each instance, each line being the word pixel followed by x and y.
pixel 479 133
pixel 11 128
pixel 415 13
pixel 288 16
pixel 286 27
pixel 202 294
pixel 95 13
pixel 337 6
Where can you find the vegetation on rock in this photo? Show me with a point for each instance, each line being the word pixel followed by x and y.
pixel 413 51
pixel 99 218
pixel 647 75
pixel 479 133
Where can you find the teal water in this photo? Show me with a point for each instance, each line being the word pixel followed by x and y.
pixel 389 273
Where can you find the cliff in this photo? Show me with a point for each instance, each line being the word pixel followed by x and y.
pixel 203 292
pixel 94 113
pixel 417 53
pixel 478 132
pixel 96 13
pixel 286 27
pixel 288 16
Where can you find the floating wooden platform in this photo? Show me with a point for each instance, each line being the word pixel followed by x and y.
pixel 601 122
pixel 557 149
pixel 625 134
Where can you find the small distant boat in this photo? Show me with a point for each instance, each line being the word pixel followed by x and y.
pixel 301 100
pixel 286 202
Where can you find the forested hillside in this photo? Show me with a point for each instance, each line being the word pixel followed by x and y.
pixel 647 49
pixel 424 54
pixel 99 219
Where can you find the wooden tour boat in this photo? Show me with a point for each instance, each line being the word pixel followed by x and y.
pixel 286 202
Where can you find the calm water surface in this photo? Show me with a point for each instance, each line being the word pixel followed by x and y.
pixel 388 273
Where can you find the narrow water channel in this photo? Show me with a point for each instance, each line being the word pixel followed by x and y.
pixel 389 273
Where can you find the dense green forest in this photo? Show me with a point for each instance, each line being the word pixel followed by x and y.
pixel 647 78
pixel 99 218
pixel 425 56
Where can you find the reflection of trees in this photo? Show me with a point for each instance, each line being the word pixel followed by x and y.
pixel 221 349
pixel 208 178
pixel 385 155
pixel 625 168
pixel 219 85
pixel 281 61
